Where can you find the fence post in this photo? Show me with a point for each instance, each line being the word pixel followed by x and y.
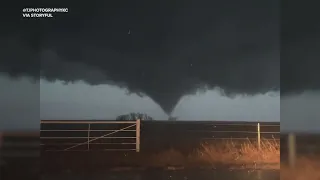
pixel 88 144
pixel 292 149
pixel 259 136
pixel 138 135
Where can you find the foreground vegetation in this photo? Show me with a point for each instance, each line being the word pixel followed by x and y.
pixel 223 154
pixel 227 153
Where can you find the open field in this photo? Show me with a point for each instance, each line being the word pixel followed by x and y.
pixel 172 175
pixel 175 145
pixel 307 165
pixel 163 144
pixel 157 136
pixel 223 155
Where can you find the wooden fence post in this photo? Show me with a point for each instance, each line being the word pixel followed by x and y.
pixel 138 135
pixel 292 149
pixel 89 128
pixel 259 136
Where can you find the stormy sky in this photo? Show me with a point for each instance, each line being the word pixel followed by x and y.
pixel 204 60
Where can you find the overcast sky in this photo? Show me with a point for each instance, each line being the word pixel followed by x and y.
pixel 165 50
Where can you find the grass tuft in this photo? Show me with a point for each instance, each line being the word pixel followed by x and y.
pixel 244 153
pixel 226 153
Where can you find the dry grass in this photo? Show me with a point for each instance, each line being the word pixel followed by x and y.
pixel 227 153
pixel 307 168
pixel 246 153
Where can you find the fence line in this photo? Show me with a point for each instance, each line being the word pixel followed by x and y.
pixel 90 138
pixel 82 130
pixel 126 140
pixel 96 138
pixel 259 136
pixel 261 125
pixel 84 122
pixel 249 132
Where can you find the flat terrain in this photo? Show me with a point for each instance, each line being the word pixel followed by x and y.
pixel 168 143
pixel 163 144
pixel 171 175
pixel 306 145
pixel 157 136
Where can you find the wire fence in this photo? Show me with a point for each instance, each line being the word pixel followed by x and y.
pixel 118 136
pixel 82 135
pixel 134 135
pixel 124 136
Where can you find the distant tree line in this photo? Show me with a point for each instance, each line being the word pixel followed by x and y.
pixel 134 116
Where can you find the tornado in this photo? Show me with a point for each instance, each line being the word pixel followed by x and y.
pixel 175 48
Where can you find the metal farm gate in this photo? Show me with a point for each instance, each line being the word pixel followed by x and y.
pixel 72 135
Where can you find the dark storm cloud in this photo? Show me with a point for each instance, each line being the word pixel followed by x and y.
pixel 300 37
pixel 173 48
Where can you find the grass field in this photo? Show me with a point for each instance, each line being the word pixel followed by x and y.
pixel 169 146
pixel 226 154
pixel 179 143
pixel 173 144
